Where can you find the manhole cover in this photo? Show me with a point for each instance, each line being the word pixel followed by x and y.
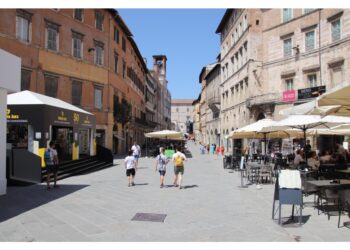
pixel 149 217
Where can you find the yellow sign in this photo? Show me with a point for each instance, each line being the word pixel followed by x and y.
pixel 76 117
pixel 87 121
pixel 11 116
pixel 62 117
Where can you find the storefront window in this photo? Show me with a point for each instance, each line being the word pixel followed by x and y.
pixel 17 135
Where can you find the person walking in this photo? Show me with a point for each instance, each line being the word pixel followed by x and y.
pixel 217 150
pixel 136 152
pixel 222 149
pixel 131 167
pixel 51 161
pixel 178 159
pixel 161 162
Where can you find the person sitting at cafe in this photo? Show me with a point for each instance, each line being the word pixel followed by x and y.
pixel 313 161
pixel 298 159
pixel 340 162
pixel 326 157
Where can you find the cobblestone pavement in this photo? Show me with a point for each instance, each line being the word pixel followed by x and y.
pixel 211 207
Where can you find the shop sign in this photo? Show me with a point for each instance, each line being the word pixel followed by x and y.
pixel 86 121
pixel 76 118
pixel 289 95
pixel 311 92
pixel 62 117
pixel 10 116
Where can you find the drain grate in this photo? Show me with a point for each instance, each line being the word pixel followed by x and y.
pixel 149 217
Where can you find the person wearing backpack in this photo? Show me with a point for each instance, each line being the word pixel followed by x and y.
pixel 51 161
pixel 161 162
pixel 178 159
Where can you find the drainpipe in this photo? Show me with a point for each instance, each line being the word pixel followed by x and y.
pixel 319 46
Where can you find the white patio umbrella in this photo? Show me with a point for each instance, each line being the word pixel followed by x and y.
pixel 340 96
pixel 310 108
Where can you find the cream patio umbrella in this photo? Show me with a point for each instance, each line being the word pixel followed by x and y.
pixel 255 131
pixel 165 134
pixel 340 96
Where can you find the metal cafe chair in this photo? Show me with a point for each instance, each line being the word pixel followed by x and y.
pixel 344 205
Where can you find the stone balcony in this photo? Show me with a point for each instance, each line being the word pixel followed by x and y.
pixel 269 98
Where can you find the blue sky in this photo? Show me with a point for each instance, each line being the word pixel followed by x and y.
pixel 186 36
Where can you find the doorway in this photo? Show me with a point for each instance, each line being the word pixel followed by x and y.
pixel 84 142
pixel 63 138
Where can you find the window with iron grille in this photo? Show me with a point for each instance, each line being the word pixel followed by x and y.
pixel 312 80
pixel 76 92
pixel 51 85
pixel 99 20
pixel 98 97
pixel 287 47
pixel 116 35
pixel 123 44
pixel 336 35
pixel 78 14
pixel 309 40
pixel 287 15
pixel 25 79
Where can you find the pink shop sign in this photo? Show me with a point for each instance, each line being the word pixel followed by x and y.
pixel 289 95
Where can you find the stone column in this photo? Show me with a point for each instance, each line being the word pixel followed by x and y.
pixel 3 125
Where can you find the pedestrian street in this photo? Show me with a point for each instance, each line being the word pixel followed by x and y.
pixel 212 207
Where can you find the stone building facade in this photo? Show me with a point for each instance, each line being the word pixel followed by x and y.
pixel 182 115
pixel 213 94
pixel 272 59
pixel 86 57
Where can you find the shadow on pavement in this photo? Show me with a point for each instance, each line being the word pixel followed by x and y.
pixel 19 200
pixel 190 186
pixel 141 184
pixel 294 222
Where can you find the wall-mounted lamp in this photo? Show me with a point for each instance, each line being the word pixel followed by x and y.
pixel 91 49
pixel 297 50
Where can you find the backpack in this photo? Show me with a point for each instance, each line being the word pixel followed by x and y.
pixel 47 156
pixel 179 161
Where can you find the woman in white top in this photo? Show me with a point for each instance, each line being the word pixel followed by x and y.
pixel 130 166
pixel 298 158
pixel 313 161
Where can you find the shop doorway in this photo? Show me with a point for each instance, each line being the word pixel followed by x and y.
pixel 84 142
pixel 100 137
pixel 63 136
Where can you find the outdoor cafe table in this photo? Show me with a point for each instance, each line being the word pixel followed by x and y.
pixel 330 184
pixel 345 171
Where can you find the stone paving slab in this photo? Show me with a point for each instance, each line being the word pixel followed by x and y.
pixel 99 207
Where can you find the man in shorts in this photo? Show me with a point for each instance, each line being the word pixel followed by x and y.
pixel 136 152
pixel 51 161
pixel 130 166
pixel 178 159
pixel 161 162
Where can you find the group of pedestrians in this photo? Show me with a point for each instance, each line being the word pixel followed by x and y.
pixel 213 149
pixel 178 158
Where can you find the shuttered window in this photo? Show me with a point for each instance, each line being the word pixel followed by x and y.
pixel 287 47
pixel 22 29
pixel 287 15
pixel 309 40
pixel 98 97
pixel 25 79
pixel 51 85
pixel 289 84
pixel 78 14
pixel 336 30
pixel 76 92
pixel 312 80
